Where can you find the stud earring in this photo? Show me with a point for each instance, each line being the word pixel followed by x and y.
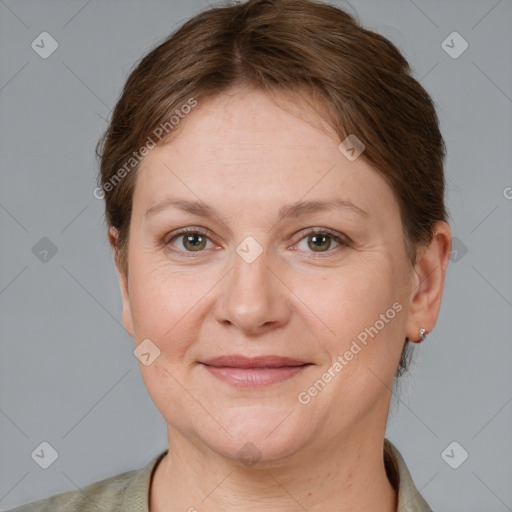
pixel 423 334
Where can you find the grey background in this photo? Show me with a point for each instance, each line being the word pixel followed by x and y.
pixel 68 375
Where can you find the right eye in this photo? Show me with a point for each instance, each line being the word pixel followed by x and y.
pixel 191 240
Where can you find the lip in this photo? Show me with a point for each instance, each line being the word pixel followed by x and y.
pixel 236 361
pixel 260 371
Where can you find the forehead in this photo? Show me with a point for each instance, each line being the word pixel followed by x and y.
pixel 249 148
pixel 246 113
pixel 247 120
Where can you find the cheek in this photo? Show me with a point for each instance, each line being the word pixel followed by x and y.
pixel 359 315
pixel 166 305
pixel 350 297
pixel 165 309
pixel 358 320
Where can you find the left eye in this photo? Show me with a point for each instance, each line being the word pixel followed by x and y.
pixel 321 241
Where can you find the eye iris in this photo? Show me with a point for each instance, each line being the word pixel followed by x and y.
pixel 193 238
pixel 316 238
pixel 196 241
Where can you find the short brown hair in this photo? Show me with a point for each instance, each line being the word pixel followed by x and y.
pixel 288 46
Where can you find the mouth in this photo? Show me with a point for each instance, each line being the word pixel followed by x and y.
pixel 260 371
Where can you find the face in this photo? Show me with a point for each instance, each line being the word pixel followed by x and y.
pixel 328 288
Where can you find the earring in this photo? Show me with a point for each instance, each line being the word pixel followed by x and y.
pixel 423 334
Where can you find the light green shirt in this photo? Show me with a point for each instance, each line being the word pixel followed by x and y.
pixel 129 491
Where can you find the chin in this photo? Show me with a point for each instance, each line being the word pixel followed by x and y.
pixel 260 437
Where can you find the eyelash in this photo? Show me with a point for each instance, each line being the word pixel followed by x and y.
pixel 316 231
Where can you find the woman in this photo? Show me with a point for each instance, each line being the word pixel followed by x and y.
pixel 274 189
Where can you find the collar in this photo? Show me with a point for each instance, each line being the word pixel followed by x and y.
pixel 136 494
pixel 409 498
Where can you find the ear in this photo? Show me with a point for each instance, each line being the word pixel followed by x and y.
pixel 123 282
pixel 430 271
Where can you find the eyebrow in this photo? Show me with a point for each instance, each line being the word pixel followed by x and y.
pixel 298 209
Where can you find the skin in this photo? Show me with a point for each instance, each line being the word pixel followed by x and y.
pixel 246 157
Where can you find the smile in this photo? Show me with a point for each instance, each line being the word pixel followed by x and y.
pixel 246 372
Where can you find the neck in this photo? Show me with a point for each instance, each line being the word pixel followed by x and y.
pixel 352 476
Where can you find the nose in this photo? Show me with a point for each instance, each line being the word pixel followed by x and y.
pixel 254 296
